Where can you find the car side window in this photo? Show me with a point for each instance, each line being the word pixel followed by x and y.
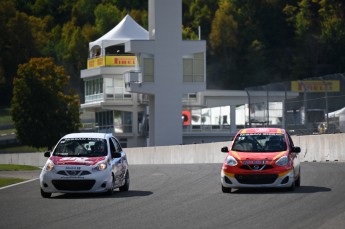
pixel 290 141
pixel 116 145
pixel 112 146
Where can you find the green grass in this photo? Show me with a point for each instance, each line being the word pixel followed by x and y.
pixel 9 181
pixel 7 131
pixel 22 149
pixel 5 117
pixel 10 167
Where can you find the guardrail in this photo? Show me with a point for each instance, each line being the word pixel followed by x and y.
pixel 314 148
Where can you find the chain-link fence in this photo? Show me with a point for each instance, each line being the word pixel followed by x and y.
pixel 309 106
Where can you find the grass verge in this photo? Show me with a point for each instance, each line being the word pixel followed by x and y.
pixel 22 149
pixel 8 181
pixel 5 117
pixel 10 167
pixel 7 131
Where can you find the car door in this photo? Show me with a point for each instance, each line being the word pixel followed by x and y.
pixel 123 154
pixel 295 157
pixel 118 160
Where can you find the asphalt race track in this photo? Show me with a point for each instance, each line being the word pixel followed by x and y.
pixel 184 196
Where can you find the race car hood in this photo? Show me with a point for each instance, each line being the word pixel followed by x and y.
pixel 76 160
pixel 245 156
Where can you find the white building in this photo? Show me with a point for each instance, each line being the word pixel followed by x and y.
pixel 138 83
pixel 115 109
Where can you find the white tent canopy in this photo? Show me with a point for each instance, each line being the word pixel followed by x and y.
pixel 126 30
pixel 337 113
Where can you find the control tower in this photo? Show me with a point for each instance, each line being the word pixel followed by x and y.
pixel 167 69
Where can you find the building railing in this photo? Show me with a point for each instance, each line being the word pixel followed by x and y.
pixel 208 128
pixel 94 98
pixel 119 129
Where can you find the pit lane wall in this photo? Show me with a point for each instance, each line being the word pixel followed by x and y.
pixel 314 148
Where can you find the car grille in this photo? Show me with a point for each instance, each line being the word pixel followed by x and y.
pixel 256 167
pixel 73 185
pixel 73 173
pixel 256 178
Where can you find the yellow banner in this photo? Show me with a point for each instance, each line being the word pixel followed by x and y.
pixel 120 61
pixel 111 61
pixel 95 62
pixel 316 86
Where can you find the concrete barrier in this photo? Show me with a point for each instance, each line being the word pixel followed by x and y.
pixel 180 154
pixel 318 148
pixel 34 159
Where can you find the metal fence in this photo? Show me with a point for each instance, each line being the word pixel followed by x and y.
pixel 317 105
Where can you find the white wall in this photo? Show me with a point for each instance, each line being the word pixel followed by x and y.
pixel 319 148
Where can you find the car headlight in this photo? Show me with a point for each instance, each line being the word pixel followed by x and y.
pixel 231 161
pixel 101 166
pixel 49 166
pixel 284 160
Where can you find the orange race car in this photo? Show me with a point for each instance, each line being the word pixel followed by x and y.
pixel 261 158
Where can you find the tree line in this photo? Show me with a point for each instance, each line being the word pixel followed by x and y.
pixel 248 42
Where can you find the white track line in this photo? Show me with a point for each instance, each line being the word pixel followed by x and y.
pixel 9 186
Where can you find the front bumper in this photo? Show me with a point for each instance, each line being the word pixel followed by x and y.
pixel 281 180
pixel 83 180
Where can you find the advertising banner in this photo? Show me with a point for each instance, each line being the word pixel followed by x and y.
pixel 316 86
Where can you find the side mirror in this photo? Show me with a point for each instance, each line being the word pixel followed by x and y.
pixel 47 154
pixel 296 149
pixel 225 149
pixel 116 155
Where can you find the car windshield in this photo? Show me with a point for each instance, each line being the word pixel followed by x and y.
pixel 81 147
pixel 259 142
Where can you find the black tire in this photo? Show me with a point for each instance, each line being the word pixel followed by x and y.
pixel 45 194
pixel 125 187
pixel 298 181
pixel 226 189
pixel 292 187
pixel 110 191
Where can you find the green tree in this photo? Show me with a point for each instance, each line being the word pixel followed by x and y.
pixel 43 108
pixel 59 10
pixel 199 13
pixel 23 37
pixel 189 34
pixel 303 15
pixel 19 47
pixel 332 36
pixel 83 12
pixel 73 52
pixel 107 16
pixel 224 33
pixel 319 32
pixel 7 11
pixel 140 16
pixel 129 4
pixel 234 40
pixel 250 43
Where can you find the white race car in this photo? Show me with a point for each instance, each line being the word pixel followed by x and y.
pixel 83 163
